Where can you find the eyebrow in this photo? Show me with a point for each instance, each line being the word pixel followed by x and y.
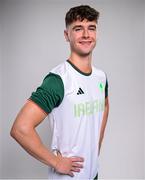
pixel 77 26
pixel 94 26
pixel 80 26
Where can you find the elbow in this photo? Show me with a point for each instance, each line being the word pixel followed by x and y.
pixel 14 132
pixel 18 131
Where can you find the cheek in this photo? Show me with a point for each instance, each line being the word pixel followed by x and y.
pixel 73 37
pixel 94 36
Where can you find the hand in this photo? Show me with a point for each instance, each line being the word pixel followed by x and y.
pixel 69 165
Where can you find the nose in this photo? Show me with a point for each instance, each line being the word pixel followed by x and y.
pixel 85 33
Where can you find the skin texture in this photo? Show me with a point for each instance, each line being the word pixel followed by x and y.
pixel 81 36
pixel 24 132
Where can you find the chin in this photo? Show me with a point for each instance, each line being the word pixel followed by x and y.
pixel 84 54
pixel 86 51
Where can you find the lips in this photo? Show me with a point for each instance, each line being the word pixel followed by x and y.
pixel 85 42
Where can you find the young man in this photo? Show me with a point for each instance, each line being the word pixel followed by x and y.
pixel 75 95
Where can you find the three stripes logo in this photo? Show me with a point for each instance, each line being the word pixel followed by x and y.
pixel 80 91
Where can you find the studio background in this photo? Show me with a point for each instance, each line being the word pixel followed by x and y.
pixel 32 43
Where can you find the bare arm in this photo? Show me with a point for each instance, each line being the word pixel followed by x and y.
pixel 23 131
pixel 104 122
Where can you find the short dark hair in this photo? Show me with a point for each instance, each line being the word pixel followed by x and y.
pixel 80 13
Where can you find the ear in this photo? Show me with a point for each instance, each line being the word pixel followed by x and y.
pixel 66 35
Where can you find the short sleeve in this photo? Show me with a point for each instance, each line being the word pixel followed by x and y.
pixel 106 88
pixel 50 94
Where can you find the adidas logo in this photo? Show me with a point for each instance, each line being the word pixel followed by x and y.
pixel 80 91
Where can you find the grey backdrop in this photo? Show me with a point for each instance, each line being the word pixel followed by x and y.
pixel 32 43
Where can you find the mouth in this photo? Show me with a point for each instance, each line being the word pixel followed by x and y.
pixel 85 42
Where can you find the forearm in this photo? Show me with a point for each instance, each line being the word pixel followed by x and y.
pixel 23 131
pixel 31 142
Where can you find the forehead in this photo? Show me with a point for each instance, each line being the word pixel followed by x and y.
pixel 84 23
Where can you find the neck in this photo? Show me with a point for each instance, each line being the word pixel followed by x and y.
pixel 83 63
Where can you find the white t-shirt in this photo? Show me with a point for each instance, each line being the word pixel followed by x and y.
pixel 77 120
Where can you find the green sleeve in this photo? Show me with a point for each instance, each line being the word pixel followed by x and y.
pixel 50 94
pixel 106 89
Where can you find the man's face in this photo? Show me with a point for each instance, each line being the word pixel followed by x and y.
pixel 81 36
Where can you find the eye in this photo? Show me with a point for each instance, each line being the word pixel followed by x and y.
pixel 92 28
pixel 77 29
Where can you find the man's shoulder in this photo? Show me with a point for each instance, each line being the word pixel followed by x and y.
pixel 98 72
pixel 60 69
